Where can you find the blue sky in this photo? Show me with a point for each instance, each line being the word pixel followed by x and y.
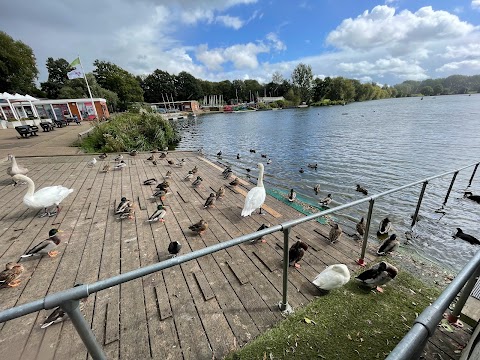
pixel 385 41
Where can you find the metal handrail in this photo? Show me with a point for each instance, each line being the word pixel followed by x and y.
pixel 68 299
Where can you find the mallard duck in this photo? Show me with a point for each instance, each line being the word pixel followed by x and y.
pixel 151 181
pixel 219 154
pixel 221 192
pixel 163 185
pixel 92 162
pixel 133 153
pixel 181 163
pixel 384 227
pixel 360 228
pixel 159 214
pixel 168 174
pixel 362 190
pixel 122 205
pixel 461 235
pixel 9 276
pixel 119 158
pixel 263 155
pixel 174 248
pixel 469 195
pixel 200 227
pixel 227 169
pixel 15 169
pixel 292 196
pixel 296 252
pixel 120 165
pixel 227 174
pixel 234 182
pixel 46 247
pixel 58 315
pixel 262 227
pixel 333 277
pixel 335 233
pixel 253 151
pixel 163 155
pixel 197 181
pixel 44 198
pixel 151 158
pixel 378 275
pixel 316 188
pixel 102 156
pixel 269 161
pixel 106 168
pixel 194 170
pixel 301 171
pixel 256 196
pixel 159 193
pixel 154 162
pixel 326 200
pixel 189 176
pixel 129 212
pixel 210 201
pixel 389 245
pixel 170 162
pixel 313 166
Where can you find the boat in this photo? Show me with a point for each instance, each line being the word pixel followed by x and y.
pixel 302 105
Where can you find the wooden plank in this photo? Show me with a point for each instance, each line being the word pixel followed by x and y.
pixel 112 325
pixel 163 302
pixel 238 272
pixel 204 286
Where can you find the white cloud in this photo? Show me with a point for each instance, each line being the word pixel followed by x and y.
pixel 462 51
pixel 230 21
pixel 401 68
pixel 476 4
pixel 276 42
pixel 466 65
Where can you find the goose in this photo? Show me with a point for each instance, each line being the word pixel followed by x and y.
pixel 46 247
pixel 189 176
pixel 120 165
pixel 313 166
pixel 151 181
pixel 174 248
pixel 15 169
pixel 262 227
pixel 333 277
pixel 122 205
pixel 472 240
pixel 469 195
pixel 389 245
pixel 335 233
pixel 269 161
pixel 106 168
pixel 362 190
pixel 316 188
pixel 296 252
pixel 9 276
pixel 256 196
pixel 58 315
pixel 234 182
pixel 301 171
pixel 102 156
pixel 44 198
pixel 378 275
pixel 159 214
pixel 92 162
pixel 200 227
pixel 292 196
pixel 360 228
pixel 119 158
pixel 210 200
pixel 197 181
pixel 221 192
pixel 384 227
pixel 326 200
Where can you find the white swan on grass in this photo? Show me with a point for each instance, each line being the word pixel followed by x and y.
pixel 256 196
pixel 333 277
pixel 44 198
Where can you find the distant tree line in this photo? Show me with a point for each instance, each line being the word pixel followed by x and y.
pixel 18 72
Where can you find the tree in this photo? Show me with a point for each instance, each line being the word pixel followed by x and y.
pixel 277 78
pixel 18 68
pixel 302 78
pixel 57 77
pixel 187 87
pixel 157 84
pixel 427 90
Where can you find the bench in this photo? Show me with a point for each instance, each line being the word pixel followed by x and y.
pixel 47 126
pixel 26 130
pixel 60 123
pixel 70 119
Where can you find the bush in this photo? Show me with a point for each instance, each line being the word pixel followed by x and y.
pixel 129 131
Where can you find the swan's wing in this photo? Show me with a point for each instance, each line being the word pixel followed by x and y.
pixel 51 195
pixel 254 200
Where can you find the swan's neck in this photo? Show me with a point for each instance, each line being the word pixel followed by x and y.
pixel 14 163
pixel 260 177
pixel 31 187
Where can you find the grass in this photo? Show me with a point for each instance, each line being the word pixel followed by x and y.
pixel 348 323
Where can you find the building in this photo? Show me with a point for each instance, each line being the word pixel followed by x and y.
pixel 176 106
pixel 270 99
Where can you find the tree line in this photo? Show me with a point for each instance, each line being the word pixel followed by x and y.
pixel 18 72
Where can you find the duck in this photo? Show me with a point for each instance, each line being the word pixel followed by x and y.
pixel 129 212
pixel 234 182
pixel 263 155
pixel 296 252
pixel 194 170
pixel 269 161
pixel 262 227
pixel 301 171
pixel 313 166
pixel 292 196
pixel 92 162
pixel 44 198
pixel 163 155
pixel 106 168
pixel 378 275
pixel 253 151
pixel 151 181
pixel 154 162
pixel 227 174
pixel 333 277
pixel 469 195
pixel 189 176
pixel 248 170
pixel 121 205
pixel 227 169
pixel 170 162
pixel 119 158
pixel 384 227
pixel 133 153
pixel 197 181
pixel 360 228
pixel 47 246
pixel 199 227
pixel 163 185
pixel 221 192
pixel 159 193
pixel 9 276
pixel 210 200
pixel 335 233
pixel 151 158
pixel 461 235
pixel 256 196
pixel 120 165
pixel 174 248
pixel 168 174
pixel 238 156
pixel 326 200
pixel 102 156
pixel 159 214
pixel 15 169
pixel 316 188
pixel 362 190
pixel 219 154
pixel 58 315
pixel 389 245
pixel 181 163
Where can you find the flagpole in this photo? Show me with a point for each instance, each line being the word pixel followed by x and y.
pixel 88 87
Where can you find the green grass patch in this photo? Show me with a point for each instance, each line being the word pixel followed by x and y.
pixel 348 323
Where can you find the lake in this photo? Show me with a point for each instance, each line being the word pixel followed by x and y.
pixel 380 145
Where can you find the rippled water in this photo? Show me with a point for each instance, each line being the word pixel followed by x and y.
pixel 379 144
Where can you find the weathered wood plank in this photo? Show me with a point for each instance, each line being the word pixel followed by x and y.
pixel 207 291
pixel 238 272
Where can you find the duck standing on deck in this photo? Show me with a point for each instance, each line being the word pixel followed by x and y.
pixel 210 200
pixel 360 228
pixel 9 276
pixel 46 247
pixel 197 181
pixel 292 196
pixel 174 248
pixel 58 315
pixel 262 227
pixel 159 214
pixel 200 227
pixel 335 233
pixel 221 192
pixel 296 252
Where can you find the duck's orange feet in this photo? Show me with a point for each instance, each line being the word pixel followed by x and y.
pixel 297 266
pixel 264 241
pixel 52 253
pixel 161 220
pixel 14 283
pixel 379 289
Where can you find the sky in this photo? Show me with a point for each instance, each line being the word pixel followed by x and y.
pixel 386 41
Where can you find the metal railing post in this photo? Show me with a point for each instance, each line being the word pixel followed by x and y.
pixel 72 308
pixel 473 174
pixel 420 198
pixel 361 261
pixel 284 306
pixel 467 289
pixel 450 188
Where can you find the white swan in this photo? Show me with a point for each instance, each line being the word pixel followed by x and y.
pixel 44 198
pixel 15 169
pixel 256 196
pixel 333 277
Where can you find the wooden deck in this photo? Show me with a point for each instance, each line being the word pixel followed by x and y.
pixel 199 310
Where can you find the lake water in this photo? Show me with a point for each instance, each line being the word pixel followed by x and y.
pixel 379 144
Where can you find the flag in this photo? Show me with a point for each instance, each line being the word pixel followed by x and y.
pixel 75 62
pixel 75 74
